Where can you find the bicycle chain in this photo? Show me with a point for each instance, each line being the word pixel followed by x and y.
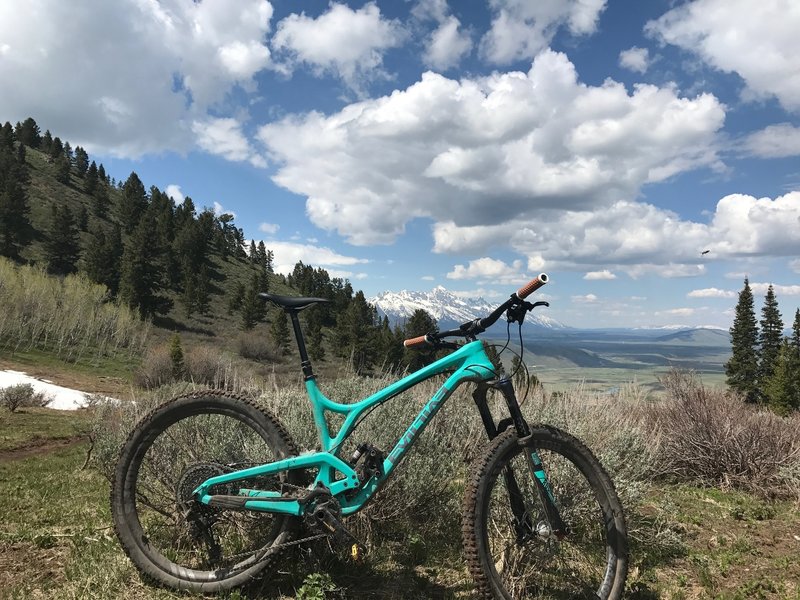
pixel 298 492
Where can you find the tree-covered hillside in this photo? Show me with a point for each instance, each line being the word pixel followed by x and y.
pixel 184 267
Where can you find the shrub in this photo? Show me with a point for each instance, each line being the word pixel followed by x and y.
pixel 257 347
pixel 155 370
pixel 714 437
pixel 22 395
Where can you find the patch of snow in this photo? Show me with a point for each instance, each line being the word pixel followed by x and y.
pixel 62 398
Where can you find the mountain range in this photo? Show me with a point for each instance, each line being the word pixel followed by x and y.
pixel 448 309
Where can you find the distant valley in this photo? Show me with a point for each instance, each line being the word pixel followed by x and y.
pixel 562 356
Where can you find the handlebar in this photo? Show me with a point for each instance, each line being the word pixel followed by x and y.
pixel 533 285
pixel 417 341
pixel 472 328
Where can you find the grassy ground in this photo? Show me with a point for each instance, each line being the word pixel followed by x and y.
pixel 55 539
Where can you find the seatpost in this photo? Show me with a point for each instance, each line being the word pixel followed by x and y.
pixel 305 364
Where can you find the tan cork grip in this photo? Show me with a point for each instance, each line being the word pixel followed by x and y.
pixel 533 285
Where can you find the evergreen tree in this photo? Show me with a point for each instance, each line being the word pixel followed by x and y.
pixel 742 367
pixel 141 277
pixel 780 387
pixel 102 255
pixel 769 338
pixel 90 180
pixel 316 347
pixel 101 175
pixel 15 228
pixel 28 133
pixel 82 218
pixel 355 334
pixel 236 298
pixel 252 309
pixel 268 263
pixel 202 297
pixel 280 330
pixel 189 296
pixel 253 255
pixel 62 169
pixel 56 148
pixel 176 357
pixel 68 152
pixel 46 143
pixel 62 247
pixel 81 161
pixel 7 138
pixel 132 202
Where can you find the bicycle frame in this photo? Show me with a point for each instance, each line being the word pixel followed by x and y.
pixel 470 363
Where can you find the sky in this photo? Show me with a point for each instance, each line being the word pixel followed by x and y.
pixel 408 144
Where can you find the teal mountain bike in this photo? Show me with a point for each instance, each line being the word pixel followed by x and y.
pixel 209 487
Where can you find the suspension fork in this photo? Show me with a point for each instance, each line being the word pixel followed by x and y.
pixel 522 523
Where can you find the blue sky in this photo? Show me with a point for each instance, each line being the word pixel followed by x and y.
pixel 416 143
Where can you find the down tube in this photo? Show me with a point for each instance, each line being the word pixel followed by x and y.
pixel 408 438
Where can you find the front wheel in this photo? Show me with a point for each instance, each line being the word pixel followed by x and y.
pixel 512 557
pixel 170 537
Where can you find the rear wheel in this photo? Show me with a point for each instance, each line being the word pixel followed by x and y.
pixel 169 536
pixel 531 562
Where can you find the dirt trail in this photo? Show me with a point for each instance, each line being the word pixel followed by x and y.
pixel 36 447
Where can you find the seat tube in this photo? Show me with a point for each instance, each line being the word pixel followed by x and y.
pixel 305 364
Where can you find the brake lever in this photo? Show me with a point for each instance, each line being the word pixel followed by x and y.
pixel 516 313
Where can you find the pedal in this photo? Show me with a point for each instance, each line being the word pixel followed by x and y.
pixel 327 521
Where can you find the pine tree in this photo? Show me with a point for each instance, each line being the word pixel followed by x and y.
pixel 269 262
pixel 176 357
pixel 90 180
pixel 280 330
pixel 769 338
pixel 28 133
pixel 779 388
pixel 62 169
pixel 141 277
pixel 62 247
pixel 56 148
pixel 189 296
pixel 15 228
pixel 132 202
pixel 252 309
pixel 236 298
pixel 202 297
pixel 102 255
pixel 253 256
pixel 316 347
pixel 46 143
pixel 81 161
pixel 7 138
pixel 742 367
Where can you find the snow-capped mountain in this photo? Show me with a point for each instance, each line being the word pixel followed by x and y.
pixel 448 309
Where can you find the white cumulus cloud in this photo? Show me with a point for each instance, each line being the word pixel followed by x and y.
pixel 490 269
pixel 344 42
pixel 287 254
pixel 488 150
pixel 711 293
pixel 780 290
pixel 225 137
pixel 270 228
pixel 174 192
pixel 522 28
pixel 585 299
pixel 128 77
pixel 757 40
pixel 599 275
pixel 447 45
pixel 774 141
pixel 635 59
